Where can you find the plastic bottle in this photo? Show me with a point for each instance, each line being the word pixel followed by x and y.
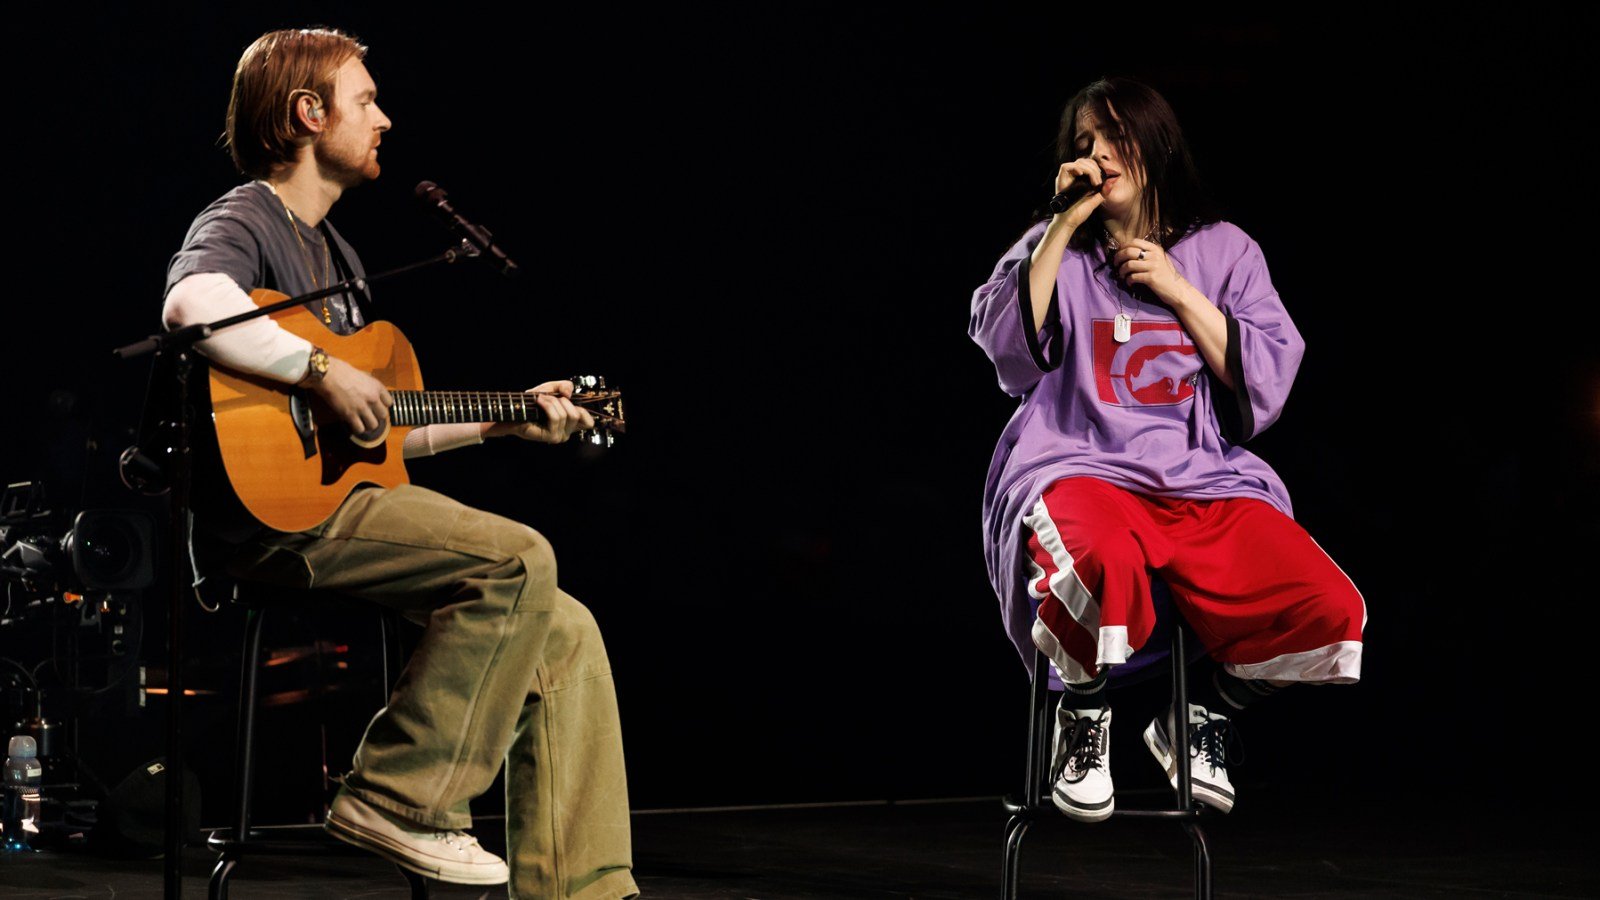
pixel 19 827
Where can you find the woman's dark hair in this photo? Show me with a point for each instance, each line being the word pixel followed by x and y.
pixel 1150 135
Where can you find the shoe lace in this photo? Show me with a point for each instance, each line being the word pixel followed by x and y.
pixel 1085 747
pixel 1218 741
pixel 458 840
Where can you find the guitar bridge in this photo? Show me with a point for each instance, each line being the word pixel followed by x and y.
pixel 304 424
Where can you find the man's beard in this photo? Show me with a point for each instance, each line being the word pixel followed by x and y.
pixel 345 168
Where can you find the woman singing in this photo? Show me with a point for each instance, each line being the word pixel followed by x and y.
pixel 1147 345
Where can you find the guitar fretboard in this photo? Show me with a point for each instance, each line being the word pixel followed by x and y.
pixel 433 407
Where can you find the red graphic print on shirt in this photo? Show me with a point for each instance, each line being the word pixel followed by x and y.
pixel 1152 369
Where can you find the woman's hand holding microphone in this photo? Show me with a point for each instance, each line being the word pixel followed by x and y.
pixel 1078 191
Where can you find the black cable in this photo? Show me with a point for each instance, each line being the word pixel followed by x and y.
pixel 135 621
pixel 51 661
pixel 24 670
pixel 133 657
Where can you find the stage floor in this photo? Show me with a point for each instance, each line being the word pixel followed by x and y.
pixel 952 849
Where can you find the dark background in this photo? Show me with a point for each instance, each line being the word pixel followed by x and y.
pixel 767 232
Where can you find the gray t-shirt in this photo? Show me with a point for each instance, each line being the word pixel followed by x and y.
pixel 247 235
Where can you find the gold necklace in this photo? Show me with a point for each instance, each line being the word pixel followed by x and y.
pixel 305 255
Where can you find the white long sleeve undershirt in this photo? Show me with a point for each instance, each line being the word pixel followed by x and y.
pixel 258 347
pixel 262 347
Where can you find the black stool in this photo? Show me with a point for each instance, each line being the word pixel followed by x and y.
pixel 232 843
pixel 1033 802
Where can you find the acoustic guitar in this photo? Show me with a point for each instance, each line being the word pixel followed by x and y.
pixel 292 462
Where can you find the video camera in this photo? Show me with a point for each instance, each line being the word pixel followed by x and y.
pixel 46 554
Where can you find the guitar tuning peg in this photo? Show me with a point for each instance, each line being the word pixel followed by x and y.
pixel 589 382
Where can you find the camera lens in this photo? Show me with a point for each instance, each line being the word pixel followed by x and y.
pixel 108 548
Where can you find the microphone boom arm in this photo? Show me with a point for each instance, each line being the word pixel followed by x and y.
pixel 435 198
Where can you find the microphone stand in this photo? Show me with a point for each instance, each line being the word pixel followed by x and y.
pixel 179 345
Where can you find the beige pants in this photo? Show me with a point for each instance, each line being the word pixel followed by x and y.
pixel 508 667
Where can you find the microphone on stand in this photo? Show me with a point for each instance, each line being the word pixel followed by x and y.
pixel 434 196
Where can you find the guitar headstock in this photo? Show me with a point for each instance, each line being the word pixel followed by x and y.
pixel 605 404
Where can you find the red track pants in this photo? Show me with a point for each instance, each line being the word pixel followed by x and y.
pixel 1261 595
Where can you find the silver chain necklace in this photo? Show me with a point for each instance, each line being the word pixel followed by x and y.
pixel 1122 325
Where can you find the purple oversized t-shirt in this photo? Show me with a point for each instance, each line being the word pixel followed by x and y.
pixel 1147 414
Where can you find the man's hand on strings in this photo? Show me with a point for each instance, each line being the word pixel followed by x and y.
pixel 563 418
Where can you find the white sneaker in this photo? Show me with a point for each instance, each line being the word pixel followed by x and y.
pixel 1209 735
pixel 1081 762
pixel 452 856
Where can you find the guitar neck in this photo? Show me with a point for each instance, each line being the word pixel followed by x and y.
pixel 434 407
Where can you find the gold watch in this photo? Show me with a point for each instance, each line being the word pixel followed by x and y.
pixel 316 366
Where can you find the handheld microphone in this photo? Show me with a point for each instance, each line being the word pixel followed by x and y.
pixel 1075 191
pixel 434 196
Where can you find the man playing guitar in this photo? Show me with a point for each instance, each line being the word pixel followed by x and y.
pixel 509 666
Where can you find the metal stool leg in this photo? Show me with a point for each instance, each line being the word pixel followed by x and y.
pixel 1011 872
pixel 1180 719
pixel 1180 741
pixel 1038 732
pixel 244 751
pixel 419 885
pixel 1202 861
pixel 217 888
pixel 1038 773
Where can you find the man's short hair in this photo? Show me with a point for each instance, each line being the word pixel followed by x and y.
pixel 272 74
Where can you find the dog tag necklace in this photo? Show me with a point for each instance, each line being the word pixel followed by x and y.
pixel 1122 325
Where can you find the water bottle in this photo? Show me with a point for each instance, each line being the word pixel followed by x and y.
pixel 19 827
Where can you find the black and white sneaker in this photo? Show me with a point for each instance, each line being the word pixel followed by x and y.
pixel 1082 764
pixel 1209 737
